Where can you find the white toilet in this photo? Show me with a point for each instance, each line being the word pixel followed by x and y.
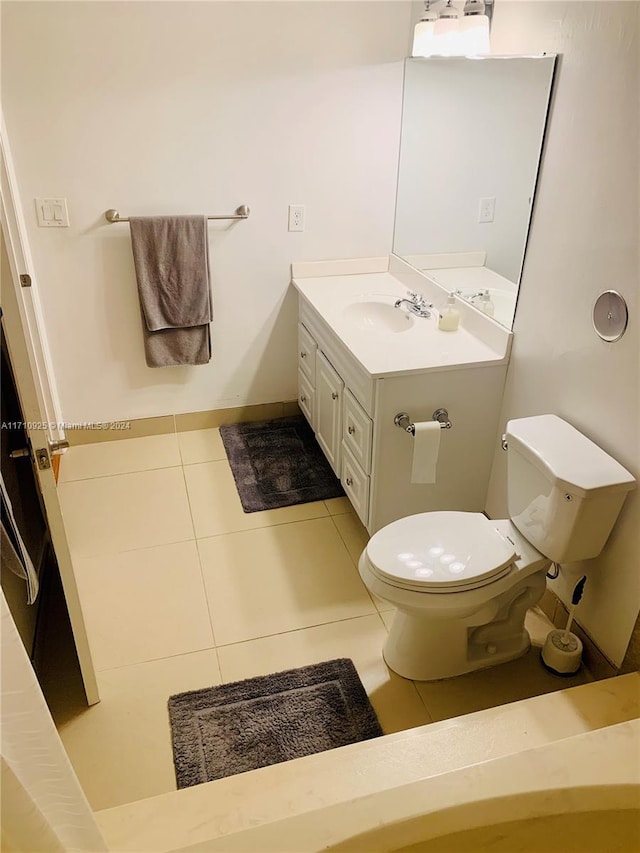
pixel 462 584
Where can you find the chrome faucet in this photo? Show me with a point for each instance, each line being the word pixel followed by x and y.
pixel 415 304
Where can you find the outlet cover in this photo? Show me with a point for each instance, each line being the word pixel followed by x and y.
pixel 296 217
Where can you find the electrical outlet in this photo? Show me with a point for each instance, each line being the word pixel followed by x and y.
pixel 296 217
pixel 486 209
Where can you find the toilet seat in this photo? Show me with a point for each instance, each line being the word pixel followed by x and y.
pixel 440 552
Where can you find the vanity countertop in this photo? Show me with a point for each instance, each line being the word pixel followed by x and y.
pixel 389 341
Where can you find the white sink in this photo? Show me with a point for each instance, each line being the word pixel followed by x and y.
pixel 373 312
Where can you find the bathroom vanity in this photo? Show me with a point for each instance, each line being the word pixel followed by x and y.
pixel 362 361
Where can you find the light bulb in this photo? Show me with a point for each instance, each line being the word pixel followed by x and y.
pixel 423 44
pixel 474 29
pixel 447 32
pixel 474 32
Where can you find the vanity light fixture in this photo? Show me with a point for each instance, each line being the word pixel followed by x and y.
pixel 474 29
pixel 450 33
pixel 447 32
pixel 423 38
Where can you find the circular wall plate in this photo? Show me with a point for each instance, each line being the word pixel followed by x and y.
pixel 610 316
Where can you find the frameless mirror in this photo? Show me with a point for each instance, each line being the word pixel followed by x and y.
pixel 472 133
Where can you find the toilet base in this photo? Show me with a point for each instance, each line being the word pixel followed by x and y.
pixel 432 653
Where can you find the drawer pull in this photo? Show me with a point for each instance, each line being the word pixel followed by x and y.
pixel 351 430
pixel 349 481
pixel 334 395
pixel 303 355
pixel 303 399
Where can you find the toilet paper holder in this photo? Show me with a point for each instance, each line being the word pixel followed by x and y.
pixel 403 421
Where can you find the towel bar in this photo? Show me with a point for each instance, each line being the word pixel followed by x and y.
pixel 242 212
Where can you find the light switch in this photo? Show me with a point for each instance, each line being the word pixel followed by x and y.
pixel 52 212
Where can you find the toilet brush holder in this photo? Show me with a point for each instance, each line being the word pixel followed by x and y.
pixel 562 652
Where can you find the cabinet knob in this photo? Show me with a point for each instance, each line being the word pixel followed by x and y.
pixel 303 355
pixel 349 481
pixel 334 395
pixel 351 430
pixel 303 399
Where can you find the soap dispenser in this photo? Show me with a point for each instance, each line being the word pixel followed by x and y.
pixel 450 317
pixel 486 304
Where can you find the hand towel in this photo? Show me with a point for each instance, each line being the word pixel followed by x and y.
pixel 171 258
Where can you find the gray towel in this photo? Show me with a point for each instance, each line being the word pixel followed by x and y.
pixel 171 257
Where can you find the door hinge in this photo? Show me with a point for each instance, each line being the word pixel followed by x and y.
pixel 42 458
pixel 25 280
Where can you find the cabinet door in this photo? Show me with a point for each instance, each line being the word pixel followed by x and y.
pixel 356 484
pixel 307 354
pixel 358 431
pixel 306 393
pixel 328 411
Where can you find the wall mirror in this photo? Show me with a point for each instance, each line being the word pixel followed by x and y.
pixel 472 133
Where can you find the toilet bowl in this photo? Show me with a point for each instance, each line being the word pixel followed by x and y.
pixel 462 584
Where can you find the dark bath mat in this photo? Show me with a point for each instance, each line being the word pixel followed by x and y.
pixel 220 731
pixel 278 463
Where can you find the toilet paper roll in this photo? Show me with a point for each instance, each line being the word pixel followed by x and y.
pixel 426 446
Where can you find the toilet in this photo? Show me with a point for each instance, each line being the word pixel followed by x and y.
pixel 462 583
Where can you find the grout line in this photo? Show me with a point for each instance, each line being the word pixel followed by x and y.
pixel 101 554
pixel 206 600
pixel 295 630
pixel 120 474
pixel 100 672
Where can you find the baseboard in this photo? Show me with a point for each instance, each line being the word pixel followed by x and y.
pixel 184 422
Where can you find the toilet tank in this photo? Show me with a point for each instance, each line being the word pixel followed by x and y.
pixel 564 492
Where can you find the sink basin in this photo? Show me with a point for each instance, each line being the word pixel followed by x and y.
pixel 377 314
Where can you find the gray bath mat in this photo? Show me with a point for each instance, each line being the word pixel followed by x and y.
pixel 220 731
pixel 278 463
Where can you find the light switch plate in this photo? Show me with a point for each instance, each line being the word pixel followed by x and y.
pixel 52 212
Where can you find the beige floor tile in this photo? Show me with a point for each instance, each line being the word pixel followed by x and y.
pixel 338 506
pixel 121 747
pixel 355 536
pixel 394 699
pixel 282 578
pixel 216 507
pixel 498 685
pixel 201 445
pixel 387 617
pixel 353 533
pixel 127 511
pixel 144 605
pixel 119 457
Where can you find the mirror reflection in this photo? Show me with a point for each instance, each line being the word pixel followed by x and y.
pixel 472 133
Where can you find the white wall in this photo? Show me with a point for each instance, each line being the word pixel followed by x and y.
pixel 184 107
pixel 584 239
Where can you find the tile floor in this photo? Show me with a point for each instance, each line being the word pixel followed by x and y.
pixel 181 590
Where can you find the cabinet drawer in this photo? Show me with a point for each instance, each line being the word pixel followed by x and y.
pixel 306 394
pixel 356 484
pixel 307 354
pixel 357 431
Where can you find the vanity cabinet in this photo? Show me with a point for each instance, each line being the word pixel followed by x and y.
pixel 352 409
pixel 342 427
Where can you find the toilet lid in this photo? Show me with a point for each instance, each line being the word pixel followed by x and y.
pixel 440 551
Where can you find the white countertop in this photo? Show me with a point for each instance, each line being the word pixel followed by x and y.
pixel 415 344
